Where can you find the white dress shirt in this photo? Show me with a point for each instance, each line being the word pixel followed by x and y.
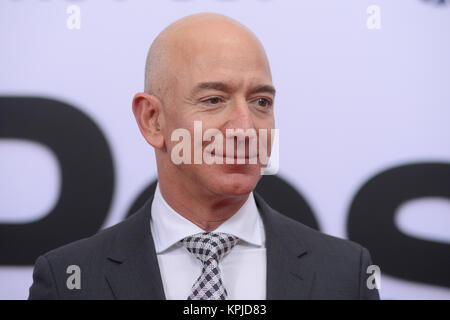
pixel 243 269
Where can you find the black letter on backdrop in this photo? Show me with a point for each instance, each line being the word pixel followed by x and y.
pixel 371 222
pixel 86 172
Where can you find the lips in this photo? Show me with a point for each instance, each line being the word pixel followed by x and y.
pixel 235 156
pixel 236 160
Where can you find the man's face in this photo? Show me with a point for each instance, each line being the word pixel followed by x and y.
pixel 225 84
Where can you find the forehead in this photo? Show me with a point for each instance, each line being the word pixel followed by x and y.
pixel 234 58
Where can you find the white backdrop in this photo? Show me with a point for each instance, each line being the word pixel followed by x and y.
pixel 351 101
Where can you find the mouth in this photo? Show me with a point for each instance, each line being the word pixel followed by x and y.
pixel 246 158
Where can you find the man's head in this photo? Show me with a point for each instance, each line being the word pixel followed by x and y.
pixel 209 68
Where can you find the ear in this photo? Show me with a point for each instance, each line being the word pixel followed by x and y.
pixel 147 111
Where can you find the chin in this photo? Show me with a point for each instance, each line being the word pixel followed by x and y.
pixel 234 182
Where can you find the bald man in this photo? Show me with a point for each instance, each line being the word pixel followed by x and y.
pixel 205 234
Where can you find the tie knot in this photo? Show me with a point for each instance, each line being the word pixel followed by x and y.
pixel 209 245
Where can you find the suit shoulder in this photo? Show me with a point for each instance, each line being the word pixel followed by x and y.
pixel 95 245
pixel 320 241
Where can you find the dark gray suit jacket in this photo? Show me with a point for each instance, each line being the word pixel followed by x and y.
pixel 120 263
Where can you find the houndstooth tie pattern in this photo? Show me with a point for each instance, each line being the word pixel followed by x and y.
pixel 209 248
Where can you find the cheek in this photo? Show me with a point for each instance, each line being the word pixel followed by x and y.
pixel 265 136
pixel 186 126
pixel 175 121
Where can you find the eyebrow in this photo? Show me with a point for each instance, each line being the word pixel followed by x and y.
pixel 263 88
pixel 221 86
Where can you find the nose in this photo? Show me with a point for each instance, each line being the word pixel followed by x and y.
pixel 241 117
pixel 240 121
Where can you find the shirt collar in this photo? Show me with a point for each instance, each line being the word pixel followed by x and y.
pixel 169 227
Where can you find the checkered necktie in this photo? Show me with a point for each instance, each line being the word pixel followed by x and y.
pixel 209 248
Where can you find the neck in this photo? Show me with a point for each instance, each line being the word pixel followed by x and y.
pixel 203 208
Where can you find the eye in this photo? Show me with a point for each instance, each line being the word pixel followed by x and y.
pixel 213 101
pixel 263 102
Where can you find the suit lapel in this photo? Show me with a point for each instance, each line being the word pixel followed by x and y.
pixel 289 275
pixel 132 271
